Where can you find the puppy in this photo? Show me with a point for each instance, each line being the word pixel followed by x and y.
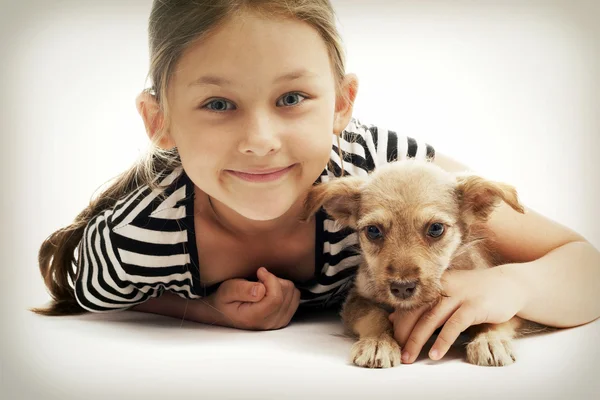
pixel 414 221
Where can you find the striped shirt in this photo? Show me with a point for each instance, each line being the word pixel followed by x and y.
pixel 146 243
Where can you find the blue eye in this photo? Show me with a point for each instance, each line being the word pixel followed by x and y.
pixel 435 230
pixel 290 99
pixel 373 232
pixel 219 105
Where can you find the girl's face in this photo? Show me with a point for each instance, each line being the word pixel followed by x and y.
pixel 253 110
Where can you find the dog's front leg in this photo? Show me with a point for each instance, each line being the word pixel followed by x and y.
pixel 376 346
pixel 491 344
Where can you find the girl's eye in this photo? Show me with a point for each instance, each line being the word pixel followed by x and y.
pixel 435 230
pixel 290 99
pixel 219 105
pixel 373 232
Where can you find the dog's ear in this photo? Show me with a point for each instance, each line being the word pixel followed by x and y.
pixel 480 196
pixel 339 197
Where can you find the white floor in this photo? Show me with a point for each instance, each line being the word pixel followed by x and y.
pixel 511 88
pixel 136 356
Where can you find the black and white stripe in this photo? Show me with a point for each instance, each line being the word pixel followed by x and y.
pixel 137 249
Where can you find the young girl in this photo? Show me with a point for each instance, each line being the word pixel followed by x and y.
pixel 250 106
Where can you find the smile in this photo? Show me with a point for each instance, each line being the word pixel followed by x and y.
pixel 262 176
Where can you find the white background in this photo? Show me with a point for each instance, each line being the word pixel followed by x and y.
pixel 511 88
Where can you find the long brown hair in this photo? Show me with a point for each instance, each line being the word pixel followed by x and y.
pixel 173 26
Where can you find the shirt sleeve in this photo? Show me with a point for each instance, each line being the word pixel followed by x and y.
pixel 365 147
pixel 125 260
pixel 102 284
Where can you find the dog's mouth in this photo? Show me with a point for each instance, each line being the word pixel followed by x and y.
pixel 405 304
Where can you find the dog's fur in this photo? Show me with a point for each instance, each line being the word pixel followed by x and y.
pixel 403 199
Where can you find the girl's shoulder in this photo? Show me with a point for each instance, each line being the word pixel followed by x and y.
pixel 161 199
pixel 361 148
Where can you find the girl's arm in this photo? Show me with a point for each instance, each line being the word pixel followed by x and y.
pixel 172 305
pixel 562 285
pixel 238 303
pixel 559 269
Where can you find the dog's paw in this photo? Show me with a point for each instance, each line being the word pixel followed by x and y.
pixel 376 353
pixel 490 350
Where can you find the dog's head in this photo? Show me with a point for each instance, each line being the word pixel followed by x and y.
pixel 412 219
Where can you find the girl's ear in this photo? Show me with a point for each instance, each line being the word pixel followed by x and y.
pixel 344 103
pixel 153 118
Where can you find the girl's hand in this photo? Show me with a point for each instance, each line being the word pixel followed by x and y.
pixel 473 297
pixel 264 305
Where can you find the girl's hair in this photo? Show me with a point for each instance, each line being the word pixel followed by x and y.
pixel 173 26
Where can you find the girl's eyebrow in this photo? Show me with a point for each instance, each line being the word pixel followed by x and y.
pixel 220 81
pixel 298 74
pixel 211 80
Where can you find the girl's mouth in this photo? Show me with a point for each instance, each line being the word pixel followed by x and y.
pixel 266 175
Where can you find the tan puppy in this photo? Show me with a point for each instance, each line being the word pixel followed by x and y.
pixel 414 220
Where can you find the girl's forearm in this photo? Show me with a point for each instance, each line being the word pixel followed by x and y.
pixel 562 286
pixel 171 305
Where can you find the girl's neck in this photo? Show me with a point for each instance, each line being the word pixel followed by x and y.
pixel 238 225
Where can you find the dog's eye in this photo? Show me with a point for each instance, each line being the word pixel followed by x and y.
pixel 435 230
pixel 373 232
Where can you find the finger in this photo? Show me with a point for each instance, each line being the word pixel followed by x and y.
pixel 404 323
pixel 425 327
pixel 393 315
pixel 273 297
pixel 463 318
pixel 271 282
pixel 241 290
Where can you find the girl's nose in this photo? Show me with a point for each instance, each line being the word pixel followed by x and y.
pixel 260 137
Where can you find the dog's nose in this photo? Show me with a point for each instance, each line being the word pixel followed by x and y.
pixel 403 290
